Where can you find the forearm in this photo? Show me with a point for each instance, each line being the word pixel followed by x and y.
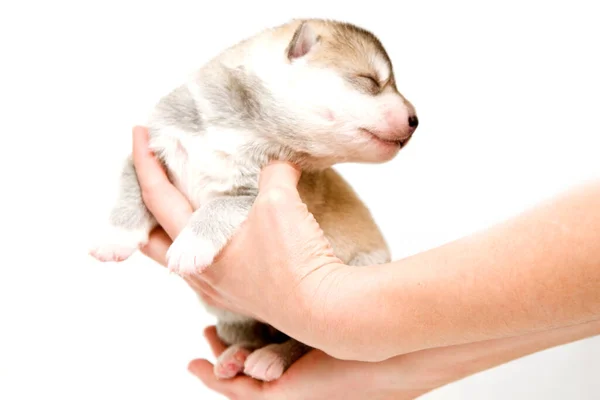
pixel 538 271
pixel 433 368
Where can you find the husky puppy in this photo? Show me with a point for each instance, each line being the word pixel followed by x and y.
pixel 314 92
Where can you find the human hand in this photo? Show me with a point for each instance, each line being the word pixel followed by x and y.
pixel 319 376
pixel 278 266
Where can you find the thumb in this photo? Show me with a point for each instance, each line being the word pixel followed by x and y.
pixel 279 174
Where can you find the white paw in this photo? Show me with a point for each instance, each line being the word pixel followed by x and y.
pixel 189 253
pixel 265 364
pixel 231 362
pixel 117 244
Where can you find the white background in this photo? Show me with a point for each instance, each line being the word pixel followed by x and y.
pixel 508 99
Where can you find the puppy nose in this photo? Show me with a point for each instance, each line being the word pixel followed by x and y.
pixel 413 121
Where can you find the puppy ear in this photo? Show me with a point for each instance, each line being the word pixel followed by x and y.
pixel 302 42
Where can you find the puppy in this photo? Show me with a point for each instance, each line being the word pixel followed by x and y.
pixel 313 92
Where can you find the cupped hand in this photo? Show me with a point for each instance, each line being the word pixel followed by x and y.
pixel 276 268
pixel 317 376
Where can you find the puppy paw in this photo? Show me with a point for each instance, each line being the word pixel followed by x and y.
pixel 117 244
pixel 231 362
pixel 190 253
pixel 265 364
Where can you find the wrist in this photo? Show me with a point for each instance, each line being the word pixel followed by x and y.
pixel 372 313
pixel 351 313
pixel 319 306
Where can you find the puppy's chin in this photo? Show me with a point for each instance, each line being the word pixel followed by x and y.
pixel 374 149
pixel 374 153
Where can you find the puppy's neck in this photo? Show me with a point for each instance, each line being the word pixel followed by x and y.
pixel 246 120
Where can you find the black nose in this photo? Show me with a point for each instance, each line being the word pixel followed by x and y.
pixel 413 121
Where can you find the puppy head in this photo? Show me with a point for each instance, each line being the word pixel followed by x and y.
pixel 337 84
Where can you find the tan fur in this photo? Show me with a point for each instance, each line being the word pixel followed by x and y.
pixel 343 49
pixel 344 218
pixel 356 240
pixel 313 92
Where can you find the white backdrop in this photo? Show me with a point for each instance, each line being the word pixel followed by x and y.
pixel 507 96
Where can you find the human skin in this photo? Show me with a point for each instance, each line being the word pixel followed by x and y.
pixel 535 272
pixel 319 376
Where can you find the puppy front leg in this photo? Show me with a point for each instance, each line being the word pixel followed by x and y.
pixel 207 232
pixel 129 222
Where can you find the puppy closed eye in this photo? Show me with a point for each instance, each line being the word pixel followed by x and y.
pixel 369 83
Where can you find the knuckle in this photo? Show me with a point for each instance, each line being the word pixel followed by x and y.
pixel 276 197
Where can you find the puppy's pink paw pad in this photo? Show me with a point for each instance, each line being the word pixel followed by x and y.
pixel 231 362
pixel 117 244
pixel 265 364
pixel 112 253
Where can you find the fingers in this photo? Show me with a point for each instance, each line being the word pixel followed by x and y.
pixel 204 371
pixel 168 205
pixel 279 174
pixel 216 345
pixel 149 171
pixel 240 387
pixel 157 246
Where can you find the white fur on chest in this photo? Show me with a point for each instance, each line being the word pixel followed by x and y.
pixel 202 166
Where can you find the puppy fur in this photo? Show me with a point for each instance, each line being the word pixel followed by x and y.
pixel 314 92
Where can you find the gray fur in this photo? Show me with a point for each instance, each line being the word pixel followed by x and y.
pixel 218 220
pixel 130 212
pixel 239 100
pixel 231 98
pixel 178 109
pixel 255 335
pixel 252 334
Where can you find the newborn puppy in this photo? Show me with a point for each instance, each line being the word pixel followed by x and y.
pixel 313 92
